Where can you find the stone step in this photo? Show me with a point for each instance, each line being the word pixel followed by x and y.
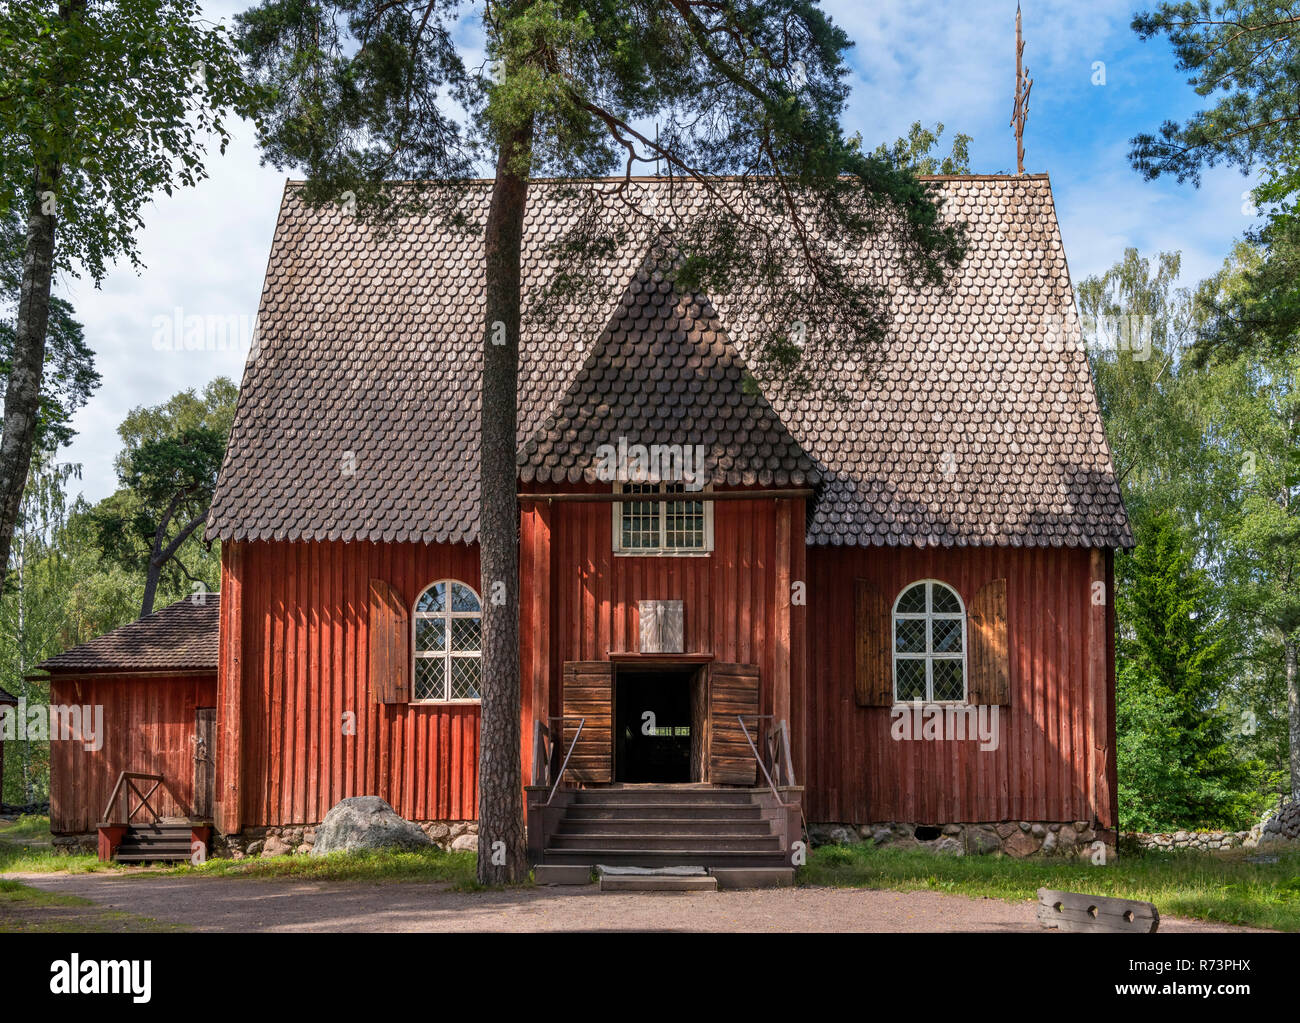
pixel 561 873
pixel 657 883
pixel 753 877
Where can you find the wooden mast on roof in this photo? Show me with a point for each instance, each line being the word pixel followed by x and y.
pixel 1020 111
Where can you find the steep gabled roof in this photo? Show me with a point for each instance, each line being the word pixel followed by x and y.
pixel 663 372
pixel 179 637
pixel 358 414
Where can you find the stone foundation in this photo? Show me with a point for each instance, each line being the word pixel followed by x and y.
pixel 450 836
pixel 1006 838
pixel 81 843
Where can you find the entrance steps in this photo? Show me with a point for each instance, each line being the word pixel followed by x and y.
pixel 656 827
pixel 167 841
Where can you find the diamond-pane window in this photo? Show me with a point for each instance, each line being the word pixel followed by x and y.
pixel 448 643
pixel 662 527
pixel 929 644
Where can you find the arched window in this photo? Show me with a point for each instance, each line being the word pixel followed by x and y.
pixel 929 644
pixel 448 643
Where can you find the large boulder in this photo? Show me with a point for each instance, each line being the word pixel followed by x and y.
pixel 366 822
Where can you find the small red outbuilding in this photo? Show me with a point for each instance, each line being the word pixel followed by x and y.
pixel 155 684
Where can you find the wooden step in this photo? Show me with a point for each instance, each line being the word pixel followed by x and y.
pixel 758 843
pixel 663 795
pixel 648 811
pixel 666 857
pixel 664 826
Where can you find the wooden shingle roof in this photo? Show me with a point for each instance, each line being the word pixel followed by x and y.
pixel 179 637
pixel 358 413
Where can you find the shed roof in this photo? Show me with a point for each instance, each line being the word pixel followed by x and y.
pixel 179 637
pixel 359 408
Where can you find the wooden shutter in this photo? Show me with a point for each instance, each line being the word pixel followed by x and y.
pixel 733 690
pixel 205 752
pixel 874 680
pixel 390 653
pixel 989 660
pixel 589 694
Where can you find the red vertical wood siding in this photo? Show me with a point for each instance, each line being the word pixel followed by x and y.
pixel 1052 753
pixel 304 610
pixel 148 724
pixel 736 600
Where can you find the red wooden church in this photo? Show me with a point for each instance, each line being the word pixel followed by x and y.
pixel 882 604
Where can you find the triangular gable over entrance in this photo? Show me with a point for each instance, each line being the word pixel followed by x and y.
pixel 664 375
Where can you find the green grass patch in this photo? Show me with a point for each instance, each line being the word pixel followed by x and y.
pixel 1223 888
pixel 26 846
pixel 27 910
pixel 457 869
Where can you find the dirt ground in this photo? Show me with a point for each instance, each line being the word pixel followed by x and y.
pixel 244 904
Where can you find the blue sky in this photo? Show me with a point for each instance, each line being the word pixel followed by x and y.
pixel 205 249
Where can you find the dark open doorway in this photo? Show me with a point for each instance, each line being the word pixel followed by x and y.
pixel 658 723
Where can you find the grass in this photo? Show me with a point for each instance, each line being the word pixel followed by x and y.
pixel 26 846
pixel 457 869
pixel 1223 888
pixel 27 910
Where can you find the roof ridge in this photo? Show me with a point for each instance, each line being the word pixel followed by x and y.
pixel 675 180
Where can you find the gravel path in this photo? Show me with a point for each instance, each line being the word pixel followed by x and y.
pixel 245 904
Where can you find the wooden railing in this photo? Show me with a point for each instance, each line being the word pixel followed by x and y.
pixel 126 786
pixel 775 761
pixel 545 748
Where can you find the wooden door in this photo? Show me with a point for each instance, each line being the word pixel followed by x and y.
pixel 205 748
pixel 589 695
pixel 733 693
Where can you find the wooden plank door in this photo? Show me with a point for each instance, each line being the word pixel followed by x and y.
pixel 205 748
pixel 733 691
pixel 589 694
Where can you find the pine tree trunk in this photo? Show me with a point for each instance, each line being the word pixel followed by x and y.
pixel 501 853
pixel 1293 714
pixel 23 390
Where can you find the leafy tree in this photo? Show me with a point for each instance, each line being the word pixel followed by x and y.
pixel 916 152
pixel 31 614
pixel 1138 326
pixel 371 90
pixel 1176 655
pixel 168 471
pixel 103 103
pixel 1242 57
pixel 69 376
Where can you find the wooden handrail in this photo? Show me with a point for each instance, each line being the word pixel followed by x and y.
pixel 541 753
pixel 565 766
pixel 129 779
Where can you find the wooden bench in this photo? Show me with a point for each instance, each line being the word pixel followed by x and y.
pixel 1072 911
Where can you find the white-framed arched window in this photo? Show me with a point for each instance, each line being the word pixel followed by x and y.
pixel 929 644
pixel 448 644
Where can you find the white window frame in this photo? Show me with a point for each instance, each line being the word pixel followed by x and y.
pixel 929 656
pixel 445 655
pixel 661 550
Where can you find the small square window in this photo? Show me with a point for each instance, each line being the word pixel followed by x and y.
pixel 676 526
